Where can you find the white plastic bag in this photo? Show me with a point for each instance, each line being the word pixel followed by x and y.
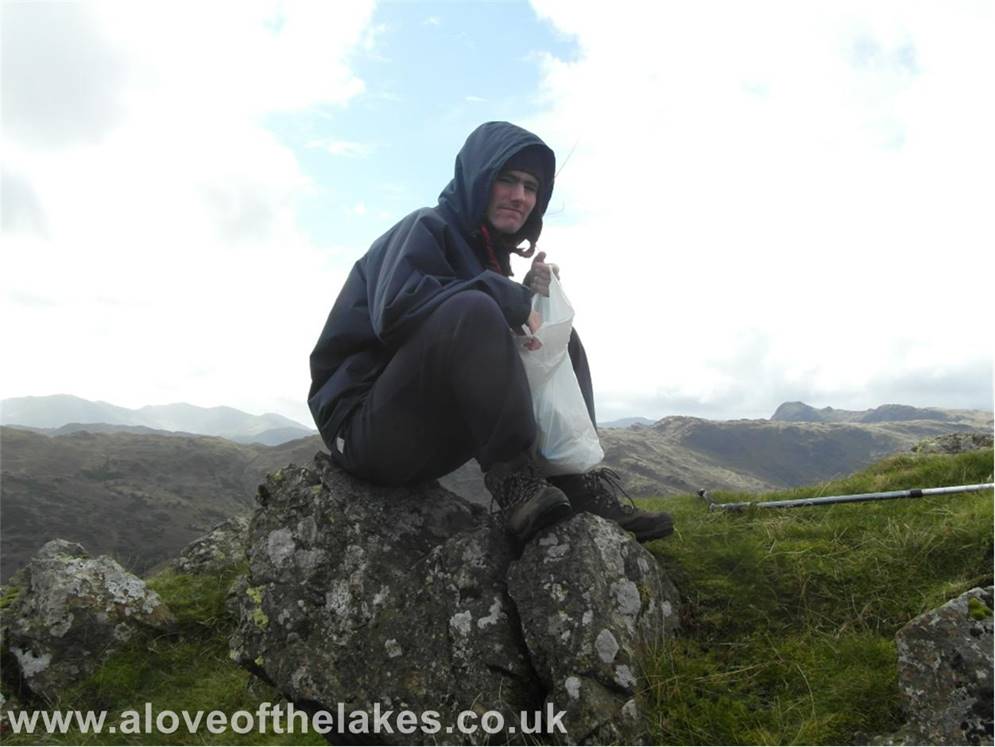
pixel 568 443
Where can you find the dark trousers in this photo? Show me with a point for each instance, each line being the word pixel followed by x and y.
pixel 454 390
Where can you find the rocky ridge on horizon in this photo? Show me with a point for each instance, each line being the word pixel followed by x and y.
pixel 799 412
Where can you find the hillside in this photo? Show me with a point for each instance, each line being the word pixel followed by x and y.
pixel 679 454
pixel 138 497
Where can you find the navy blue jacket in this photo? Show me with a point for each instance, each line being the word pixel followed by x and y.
pixel 427 257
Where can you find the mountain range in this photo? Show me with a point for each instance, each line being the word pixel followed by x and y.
pixel 62 413
pixel 799 412
pixel 140 493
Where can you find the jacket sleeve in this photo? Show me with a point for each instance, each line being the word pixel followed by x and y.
pixel 416 275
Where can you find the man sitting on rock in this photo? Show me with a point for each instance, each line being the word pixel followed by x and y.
pixel 417 369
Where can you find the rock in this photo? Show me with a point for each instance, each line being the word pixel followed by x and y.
pixel 397 598
pixel 945 672
pixel 954 443
pixel 361 595
pixel 70 613
pixel 221 548
pixel 467 481
pixel 590 599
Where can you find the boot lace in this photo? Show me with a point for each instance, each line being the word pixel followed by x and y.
pixel 605 484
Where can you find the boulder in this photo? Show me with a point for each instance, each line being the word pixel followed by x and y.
pixel 219 549
pixel 589 598
pixel 945 672
pixel 71 611
pixel 397 599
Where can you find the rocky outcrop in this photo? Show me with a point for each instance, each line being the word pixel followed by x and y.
pixel 70 612
pixel 589 598
pixel 954 443
pixel 945 673
pixel 219 549
pixel 397 598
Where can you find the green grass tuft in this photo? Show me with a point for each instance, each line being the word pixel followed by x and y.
pixel 977 609
pixel 791 614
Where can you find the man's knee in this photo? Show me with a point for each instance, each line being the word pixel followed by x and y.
pixel 472 311
pixel 473 302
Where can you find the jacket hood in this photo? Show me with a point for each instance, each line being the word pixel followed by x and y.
pixel 479 162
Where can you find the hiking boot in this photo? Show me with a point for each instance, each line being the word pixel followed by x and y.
pixel 596 493
pixel 528 503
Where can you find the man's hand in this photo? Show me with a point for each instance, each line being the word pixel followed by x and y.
pixel 537 279
pixel 533 322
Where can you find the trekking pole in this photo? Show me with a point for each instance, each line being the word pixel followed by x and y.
pixel 857 498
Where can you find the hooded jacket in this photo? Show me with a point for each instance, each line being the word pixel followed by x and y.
pixel 424 259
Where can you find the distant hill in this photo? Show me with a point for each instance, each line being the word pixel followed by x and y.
pixel 799 412
pixel 137 496
pixel 627 422
pixel 57 411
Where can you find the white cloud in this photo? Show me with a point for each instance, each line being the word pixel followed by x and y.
pixel 171 265
pixel 348 148
pixel 812 177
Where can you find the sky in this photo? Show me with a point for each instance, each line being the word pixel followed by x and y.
pixel 756 202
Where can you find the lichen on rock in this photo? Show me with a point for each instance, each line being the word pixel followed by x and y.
pixel 221 548
pixel 401 596
pixel 71 612
pixel 586 623
pixel 945 673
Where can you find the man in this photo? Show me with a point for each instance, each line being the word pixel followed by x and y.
pixel 417 369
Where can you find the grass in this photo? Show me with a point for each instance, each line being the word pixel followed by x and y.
pixel 789 619
pixel 791 613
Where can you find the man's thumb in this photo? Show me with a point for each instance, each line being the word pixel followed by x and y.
pixel 540 257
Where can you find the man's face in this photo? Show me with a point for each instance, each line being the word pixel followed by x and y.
pixel 512 198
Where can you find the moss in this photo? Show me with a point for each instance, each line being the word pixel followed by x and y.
pixel 9 596
pixel 977 609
